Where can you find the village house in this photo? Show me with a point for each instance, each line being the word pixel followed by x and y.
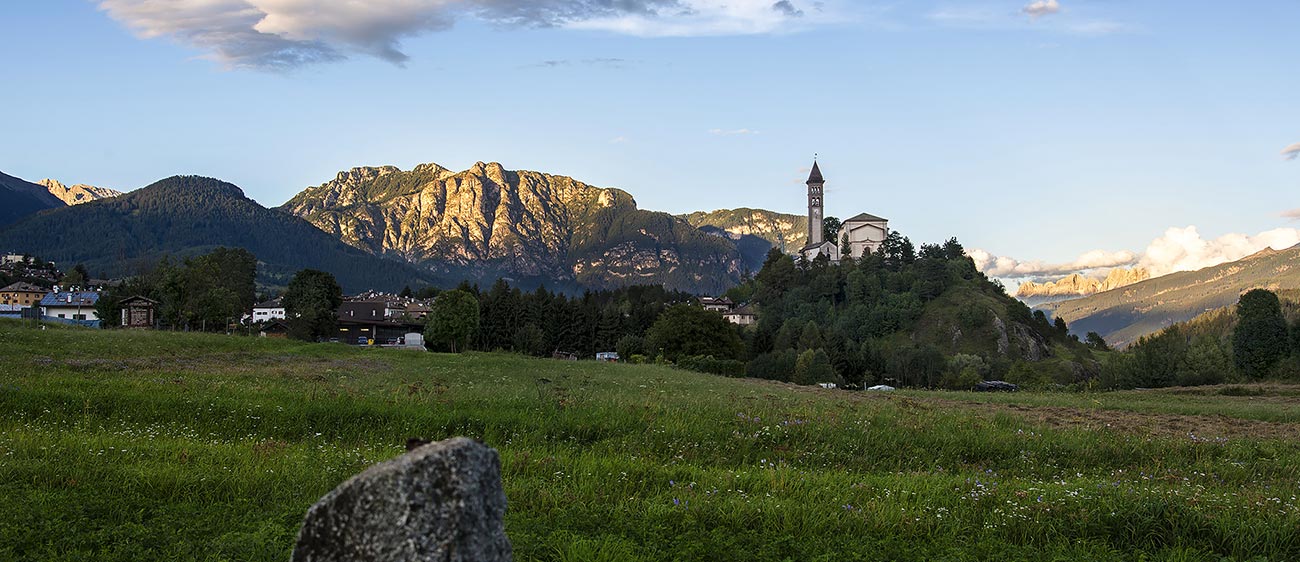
pixel 268 311
pixel 22 294
pixel 366 323
pixel 720 304
pixel 139 312
pixel 743 315
pixel 71 305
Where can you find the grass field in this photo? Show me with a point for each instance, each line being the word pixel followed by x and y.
pixel 161 446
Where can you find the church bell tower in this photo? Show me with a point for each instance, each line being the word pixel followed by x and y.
pixel 815 183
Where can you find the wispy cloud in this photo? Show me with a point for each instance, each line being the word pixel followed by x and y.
pixel 618 140
pixel 284 34
pixel 1293 214
pixel 602 62
pixel 1179 249
pixel 732 132
pixel 1291 152
pixel 1040 8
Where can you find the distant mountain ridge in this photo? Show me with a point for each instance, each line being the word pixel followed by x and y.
pixel 78 193
pixel 186 215
pixel 488 221
pixel 1125 314
pixel 20 198
pixel 1079 285
pixel 778 229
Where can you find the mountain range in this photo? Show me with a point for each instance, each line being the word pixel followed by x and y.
pixel 1127 313
pixel 425 225
pixel 78 193
pixel 1077 285
pixel 528 226
pixel 19 198
pixel 187 215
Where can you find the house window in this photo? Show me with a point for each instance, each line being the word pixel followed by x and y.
pixel 78 316
pixel 60 316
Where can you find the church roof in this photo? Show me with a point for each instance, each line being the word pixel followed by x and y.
pixel 816 175
pixel 816 245
pixel 865 217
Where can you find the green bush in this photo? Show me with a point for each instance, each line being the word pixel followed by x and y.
pixel 712 365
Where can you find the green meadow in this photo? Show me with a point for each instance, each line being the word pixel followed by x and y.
pixel 130 445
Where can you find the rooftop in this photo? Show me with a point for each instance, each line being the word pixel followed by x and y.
pixel 71 298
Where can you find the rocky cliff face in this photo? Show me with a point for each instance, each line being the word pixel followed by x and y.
pixel 774 227
pixel 1078 285
pixel 79 193
pixel 489 221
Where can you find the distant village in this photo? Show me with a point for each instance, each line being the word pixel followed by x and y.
pixel 370 318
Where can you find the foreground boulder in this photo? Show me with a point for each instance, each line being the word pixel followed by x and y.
pixel 440 502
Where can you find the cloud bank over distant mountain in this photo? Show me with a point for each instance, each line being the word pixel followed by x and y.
pixel 1179 249
pixel 285 34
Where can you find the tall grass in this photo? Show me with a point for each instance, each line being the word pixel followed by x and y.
pixel 163 446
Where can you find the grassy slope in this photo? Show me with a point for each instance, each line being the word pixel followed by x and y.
pixel 138 445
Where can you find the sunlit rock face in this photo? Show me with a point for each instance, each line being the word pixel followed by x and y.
pixel 78 193
pixel 489 221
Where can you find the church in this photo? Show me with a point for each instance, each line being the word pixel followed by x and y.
pixel 858 235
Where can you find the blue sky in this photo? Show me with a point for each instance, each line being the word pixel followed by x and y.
pixel 1037 132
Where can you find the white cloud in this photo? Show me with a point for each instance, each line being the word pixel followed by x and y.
pixel 1179 249
pixel 1040 8
pixel 1183 249
pixel 1291 152
pixel 283 34
pixel 618 140
pixel 1293 214
pixel 1002 266
pixel 732 132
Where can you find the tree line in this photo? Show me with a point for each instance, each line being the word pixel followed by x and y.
pixel 1252 341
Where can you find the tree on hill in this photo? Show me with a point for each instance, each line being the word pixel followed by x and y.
pixel 1095 341
pixel 814 366
pixel 311 303
pixel 1261 338
pixel 831 228
pixel 454 320
pixel 686 331
pixel 77 277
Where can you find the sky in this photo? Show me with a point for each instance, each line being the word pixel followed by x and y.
pixel 1049 136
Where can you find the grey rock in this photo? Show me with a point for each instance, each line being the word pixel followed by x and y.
pixel 440 502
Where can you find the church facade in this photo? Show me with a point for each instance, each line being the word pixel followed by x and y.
pixel 859 235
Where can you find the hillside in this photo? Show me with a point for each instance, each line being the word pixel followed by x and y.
pixel 488 221
pixel 186 215
pixel 778 229
pixel 1123 315
pixel 19 198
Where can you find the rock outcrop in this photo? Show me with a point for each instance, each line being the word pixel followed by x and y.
pixel 1079 285
pixel 777 228
pixel 441 502
pixel 489 221
pixel 78 193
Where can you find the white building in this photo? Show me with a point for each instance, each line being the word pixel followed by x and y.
pixel 71 305
pixel 864 232
pixel 743 316
pixel 268 311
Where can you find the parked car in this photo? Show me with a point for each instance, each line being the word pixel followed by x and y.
pixel 995 386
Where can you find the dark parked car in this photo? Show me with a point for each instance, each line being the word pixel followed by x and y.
pixel 995 386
